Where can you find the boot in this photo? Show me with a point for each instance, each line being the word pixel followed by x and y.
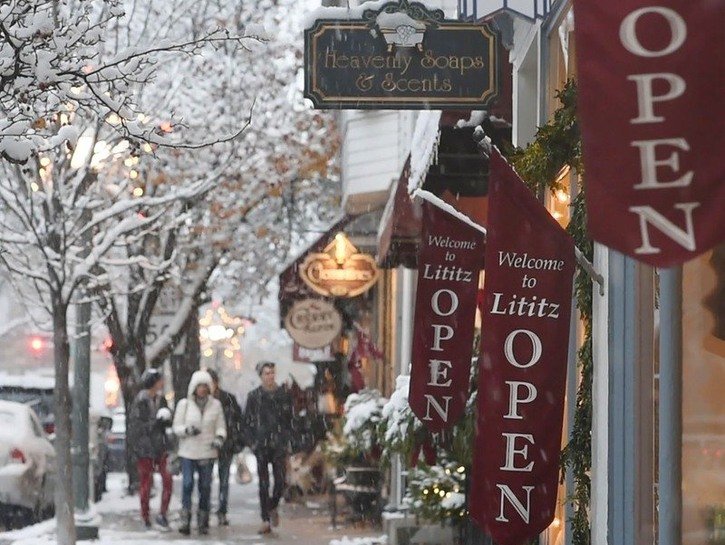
pixel 223 519
pixel 185 527
pixel 203 522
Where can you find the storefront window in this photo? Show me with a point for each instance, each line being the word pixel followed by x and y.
pixel 703 409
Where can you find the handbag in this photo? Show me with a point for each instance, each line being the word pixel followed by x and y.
pixel 244 476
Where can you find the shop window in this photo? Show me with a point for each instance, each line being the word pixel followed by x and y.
pixel 703 410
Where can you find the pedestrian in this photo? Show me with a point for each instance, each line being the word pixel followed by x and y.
pixel 267 424
pixel 199 425
pixel 233 444
pixel 150 418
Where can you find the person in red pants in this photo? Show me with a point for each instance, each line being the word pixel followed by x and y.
pixel 149 419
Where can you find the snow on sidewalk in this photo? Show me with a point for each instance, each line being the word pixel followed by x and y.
pixel 307 523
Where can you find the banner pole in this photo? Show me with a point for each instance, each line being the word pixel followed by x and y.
pixel 670 407
pixel 589 269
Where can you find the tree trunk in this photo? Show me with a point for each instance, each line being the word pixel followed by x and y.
pixel 184 365
pixel 128 389
pixel 64 512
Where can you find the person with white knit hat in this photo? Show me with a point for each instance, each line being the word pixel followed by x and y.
pixel 199 425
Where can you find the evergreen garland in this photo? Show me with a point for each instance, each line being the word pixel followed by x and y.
pixel 558 144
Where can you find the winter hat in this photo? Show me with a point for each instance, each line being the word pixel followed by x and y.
pixel 150 377
pixel 263 364
pixel 198 378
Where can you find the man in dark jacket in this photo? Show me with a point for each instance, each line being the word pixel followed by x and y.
pixel 268 421
pixel 148 421
pixel 232 444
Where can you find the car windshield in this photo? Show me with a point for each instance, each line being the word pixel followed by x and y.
pixel 40 401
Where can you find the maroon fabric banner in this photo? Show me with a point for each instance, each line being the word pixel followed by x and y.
pixel 449 264
pixel 522 378
pixel 651 109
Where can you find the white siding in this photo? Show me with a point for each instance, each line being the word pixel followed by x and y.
pixel 374 149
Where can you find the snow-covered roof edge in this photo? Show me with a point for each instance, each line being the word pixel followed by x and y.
pixel 443 205
pixel 423 146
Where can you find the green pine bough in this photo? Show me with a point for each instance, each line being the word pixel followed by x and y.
pixel 558 144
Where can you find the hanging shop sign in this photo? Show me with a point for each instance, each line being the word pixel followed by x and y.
pixel 654 162
pixel 313 323
pixel 340 270
pixel 312 355
pixel 526 320
pixel 449 266
pixel 402 55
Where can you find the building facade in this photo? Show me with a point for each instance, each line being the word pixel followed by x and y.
pixel 658 421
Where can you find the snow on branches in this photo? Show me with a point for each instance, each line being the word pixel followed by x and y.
pixel 146 145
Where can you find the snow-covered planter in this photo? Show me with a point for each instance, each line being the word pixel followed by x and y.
pixel 399 428
pixel 363 412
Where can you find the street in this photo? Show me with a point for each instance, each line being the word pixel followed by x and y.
pixel 305 523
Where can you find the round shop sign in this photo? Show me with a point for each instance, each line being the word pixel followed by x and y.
pixel 313 323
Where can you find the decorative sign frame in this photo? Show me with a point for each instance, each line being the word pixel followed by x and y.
pixel 401 56
pixel 340 270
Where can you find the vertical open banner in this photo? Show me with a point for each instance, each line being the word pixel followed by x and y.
pixel 530 263
pixel 450 262
pixel 655 178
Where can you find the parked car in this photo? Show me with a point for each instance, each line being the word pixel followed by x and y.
pixel 34 391
pixel 28 470
pixel 37 393
pixel 116 442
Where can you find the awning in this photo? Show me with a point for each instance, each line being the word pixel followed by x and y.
pixel 400 226
pixel 291 287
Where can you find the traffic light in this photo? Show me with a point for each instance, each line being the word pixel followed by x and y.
pixel 37 344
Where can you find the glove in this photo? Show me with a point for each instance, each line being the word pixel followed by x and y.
pixel 217 443
pixel 192 431
pixel 163 415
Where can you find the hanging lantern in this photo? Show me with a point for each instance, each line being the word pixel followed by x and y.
pixel 528 9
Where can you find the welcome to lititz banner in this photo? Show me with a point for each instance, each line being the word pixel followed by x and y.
pixel 522 377
pixel 450 262
pixel 651 109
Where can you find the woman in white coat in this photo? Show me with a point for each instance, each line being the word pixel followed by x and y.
pixel 199 425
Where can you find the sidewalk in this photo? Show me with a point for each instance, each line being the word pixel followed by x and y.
pixel 302 524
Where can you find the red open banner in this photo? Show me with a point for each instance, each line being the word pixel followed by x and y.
pixel 522 376
pixel 651 109
pixel 450 261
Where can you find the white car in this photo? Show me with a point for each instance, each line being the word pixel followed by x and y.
pixel 27 467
